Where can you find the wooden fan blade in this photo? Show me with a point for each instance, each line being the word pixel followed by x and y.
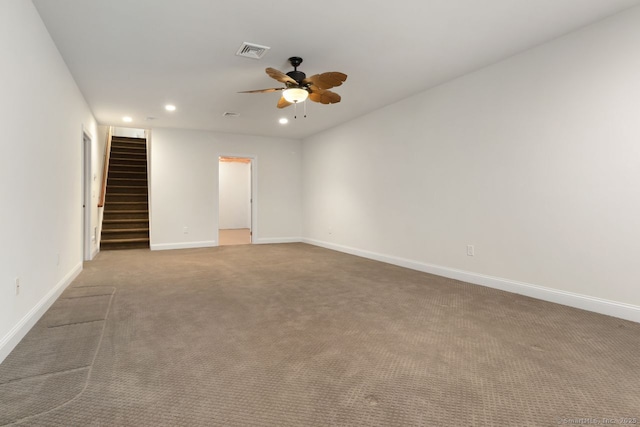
pixel 323 96
pixel 283 103
pixel 326 80
pixel 273 89
pixel 280 76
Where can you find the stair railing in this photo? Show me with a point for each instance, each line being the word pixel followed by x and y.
pixel 105 168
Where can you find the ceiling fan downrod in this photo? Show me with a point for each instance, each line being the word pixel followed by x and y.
pixel 296 75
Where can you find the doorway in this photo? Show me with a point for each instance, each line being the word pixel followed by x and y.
pixel 235 201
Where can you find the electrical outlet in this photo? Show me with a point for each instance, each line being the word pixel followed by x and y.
pixel 185 230
pixel 17 283
pixel 470 250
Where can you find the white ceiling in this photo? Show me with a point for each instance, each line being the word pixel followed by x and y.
pixel 131 57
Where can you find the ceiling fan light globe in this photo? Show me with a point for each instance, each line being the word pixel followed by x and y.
pixel 295 95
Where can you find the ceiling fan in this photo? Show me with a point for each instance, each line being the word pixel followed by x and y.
pixel 299 87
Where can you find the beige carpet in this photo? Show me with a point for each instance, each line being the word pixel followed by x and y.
pixel 295 335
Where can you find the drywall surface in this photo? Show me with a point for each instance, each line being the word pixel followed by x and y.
pixel 535 161
pixel 184 183
pixel 128 132
pixel 235 195
pixel 43 116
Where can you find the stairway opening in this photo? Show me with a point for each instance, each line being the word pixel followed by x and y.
pixel 125 223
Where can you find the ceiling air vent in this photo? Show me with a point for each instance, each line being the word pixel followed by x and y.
pixel 230 114
pixel 252 50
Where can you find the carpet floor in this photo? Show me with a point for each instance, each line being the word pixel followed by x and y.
pixel 296 335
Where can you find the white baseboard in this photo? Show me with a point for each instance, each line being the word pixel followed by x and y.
pixel 212 243
pixel 584 302
pixel 268 240
pixel 13 337
pixel 186 245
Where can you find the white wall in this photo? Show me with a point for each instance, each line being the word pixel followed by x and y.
pixel 128 132
pixel 234 195
pixel 184 186
pixel 42 116
pixel 535 161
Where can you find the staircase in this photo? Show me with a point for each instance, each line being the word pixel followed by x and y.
pixel 125 223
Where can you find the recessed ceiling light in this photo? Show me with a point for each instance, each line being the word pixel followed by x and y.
pixel 170 107
pixel 127 119
pixel 283 121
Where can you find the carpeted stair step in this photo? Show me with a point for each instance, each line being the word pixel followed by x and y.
pixel 126 206
pixel 128 140
pixel 136 152
pixel 130 189
pixel 128 158
pixel 126 240
pixel 127 168
pixel 125 233
pixel 116 224
pixel 128 145
pixel 126 197
pixel 126 214
pixel 127 182
pixel 128 161
pixel 134 174
pixel 117 244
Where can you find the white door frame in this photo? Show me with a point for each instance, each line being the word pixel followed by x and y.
pixel 253 197
pixel 87 204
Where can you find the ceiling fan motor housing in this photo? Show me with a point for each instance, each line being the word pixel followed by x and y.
pixel 298 76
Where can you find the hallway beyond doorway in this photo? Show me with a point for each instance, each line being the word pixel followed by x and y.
pixel 236 236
